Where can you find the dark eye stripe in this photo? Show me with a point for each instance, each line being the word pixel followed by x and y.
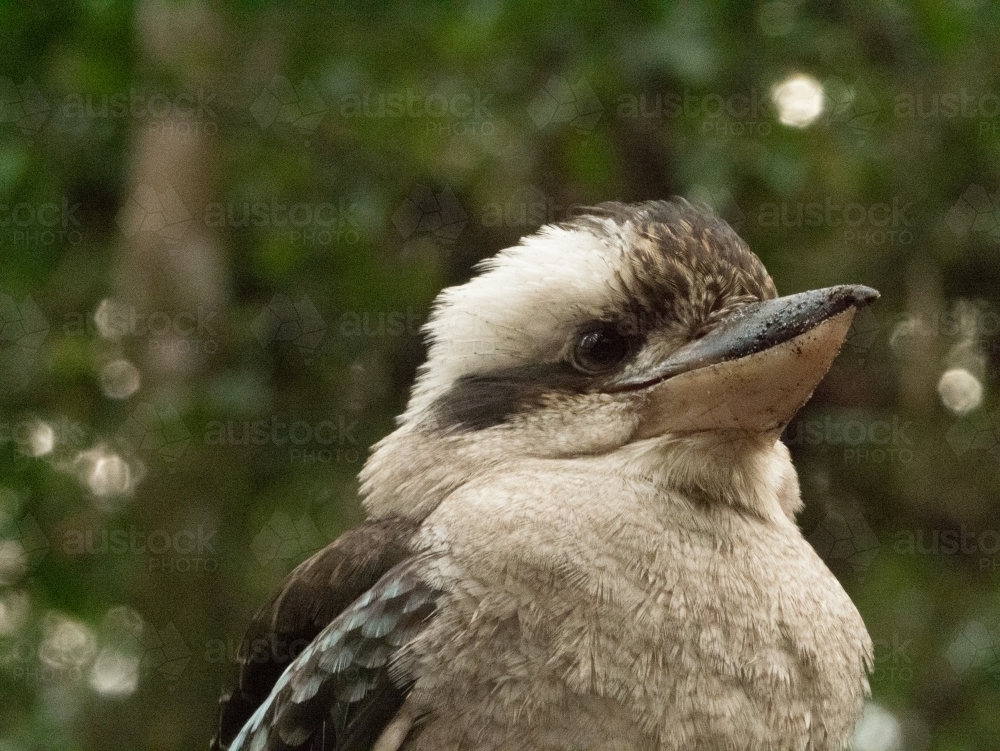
pixel 484 400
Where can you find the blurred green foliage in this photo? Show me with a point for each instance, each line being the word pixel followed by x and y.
pixel 267 197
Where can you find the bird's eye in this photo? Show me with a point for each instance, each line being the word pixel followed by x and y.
pixel 599 348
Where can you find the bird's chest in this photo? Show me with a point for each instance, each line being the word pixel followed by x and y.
pixel 618 631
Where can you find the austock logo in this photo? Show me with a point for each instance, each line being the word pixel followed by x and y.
pixel 528 208
pixel 737 114
pixel 893 658
pixel 310 224
pixel 864 439
pixel 302 107
pixel 183 112
pixel 175 551
pixel 877 223
pixel 982 545
pixel 308 442
pixel 162 212
pixel 36 438
pixel 42 223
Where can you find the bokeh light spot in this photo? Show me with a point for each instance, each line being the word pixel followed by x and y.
pixel 799 100
pixel 120 379
pixel 960 391
pixel 67 643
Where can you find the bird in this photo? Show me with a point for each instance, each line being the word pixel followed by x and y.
pixel 582 533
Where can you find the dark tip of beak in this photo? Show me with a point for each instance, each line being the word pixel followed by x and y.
pixel 837 299
pixel 756 327
pixel 858 294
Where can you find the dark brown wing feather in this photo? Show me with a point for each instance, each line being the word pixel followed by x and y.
pixel 315 593
pixel 342 691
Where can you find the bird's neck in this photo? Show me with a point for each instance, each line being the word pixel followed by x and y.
pixel 747 473
pixel 411 471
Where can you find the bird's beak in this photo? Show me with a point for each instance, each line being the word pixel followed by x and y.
pixel 753 371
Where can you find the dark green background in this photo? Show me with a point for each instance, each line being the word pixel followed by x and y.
pixel 338 168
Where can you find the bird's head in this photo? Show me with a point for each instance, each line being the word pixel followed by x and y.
pixel 642 329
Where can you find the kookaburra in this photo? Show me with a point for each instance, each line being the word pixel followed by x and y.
pixel 582 533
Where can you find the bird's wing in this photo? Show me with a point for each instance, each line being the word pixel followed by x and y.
pixel 314 594
pixel 339 694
